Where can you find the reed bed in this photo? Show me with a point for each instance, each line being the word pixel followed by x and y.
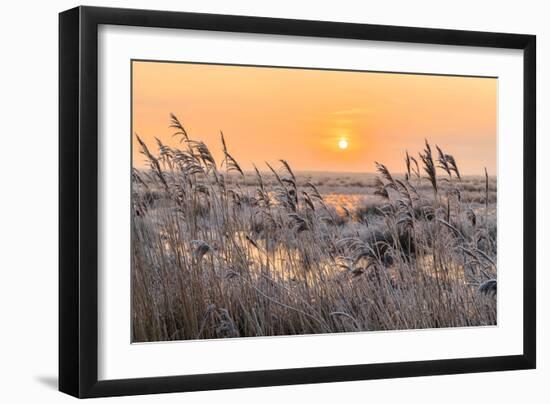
pixel 217 252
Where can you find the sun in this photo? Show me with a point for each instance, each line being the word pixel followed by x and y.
pixel 343 144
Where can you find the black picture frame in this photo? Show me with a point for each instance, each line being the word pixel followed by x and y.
pixel 78 201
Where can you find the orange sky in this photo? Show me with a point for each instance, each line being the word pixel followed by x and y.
pixel 300 115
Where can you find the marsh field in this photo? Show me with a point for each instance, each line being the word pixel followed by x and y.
pixel 220 252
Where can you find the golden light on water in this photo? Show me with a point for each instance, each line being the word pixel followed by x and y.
pixel 343 144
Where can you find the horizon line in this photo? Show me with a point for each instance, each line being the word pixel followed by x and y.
pixel 267 171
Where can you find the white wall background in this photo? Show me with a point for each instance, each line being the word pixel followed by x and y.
pixel 28 200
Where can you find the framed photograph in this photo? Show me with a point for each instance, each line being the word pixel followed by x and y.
pixel 251 201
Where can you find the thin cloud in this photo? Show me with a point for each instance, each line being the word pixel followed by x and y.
pixel 351 111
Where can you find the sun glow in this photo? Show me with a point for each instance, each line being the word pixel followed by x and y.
pixel 343 144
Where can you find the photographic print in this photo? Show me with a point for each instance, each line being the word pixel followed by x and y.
pixel 277 201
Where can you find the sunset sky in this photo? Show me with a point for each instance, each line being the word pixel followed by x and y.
pixel 317 120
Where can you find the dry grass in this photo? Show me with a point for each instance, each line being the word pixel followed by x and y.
pixel 218 252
